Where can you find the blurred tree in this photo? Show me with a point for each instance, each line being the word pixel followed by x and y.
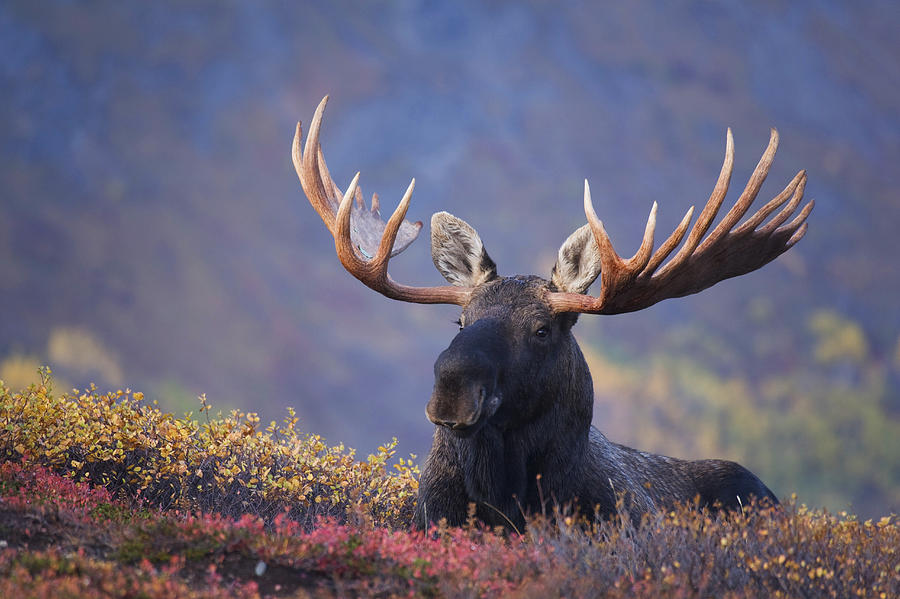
pixel 19 371
pixel 78 353
pixel 837 339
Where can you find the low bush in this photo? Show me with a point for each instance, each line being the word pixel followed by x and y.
pixel 225 464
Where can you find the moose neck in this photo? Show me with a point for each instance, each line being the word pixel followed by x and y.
pixel 514 404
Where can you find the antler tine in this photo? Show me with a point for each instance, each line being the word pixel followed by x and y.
pixel 311 169
pixel 799 220
pixel 360 202
pixel 708 214
pixel 749 194
pixel 670 244
pixel 616 272
pixel 609 260
pixel 342 244
pixel 642 256
pixel 607 252
pixel 793 190
pixel 393 225
pixel 700 263
pixel 363 242
pixel 797 236
pixel 788 210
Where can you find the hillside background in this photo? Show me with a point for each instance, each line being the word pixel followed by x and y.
pixel 153 233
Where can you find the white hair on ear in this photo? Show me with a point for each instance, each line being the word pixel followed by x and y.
pixel 578 262
pixel 458 253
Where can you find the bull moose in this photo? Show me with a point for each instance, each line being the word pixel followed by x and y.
pixel 513 396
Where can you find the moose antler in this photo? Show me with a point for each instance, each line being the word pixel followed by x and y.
pixel 635 283
pixel 364 243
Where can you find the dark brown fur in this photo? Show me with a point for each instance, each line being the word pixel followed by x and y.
pixel 534 445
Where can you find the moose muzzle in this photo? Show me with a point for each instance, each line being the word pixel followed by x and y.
pixel 466 375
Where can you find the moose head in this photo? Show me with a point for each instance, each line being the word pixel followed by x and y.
pixel 513 396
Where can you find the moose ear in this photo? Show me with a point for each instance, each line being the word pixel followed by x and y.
pixel 578 263
pixel 458 253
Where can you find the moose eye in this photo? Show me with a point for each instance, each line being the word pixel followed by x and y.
pixel 542 332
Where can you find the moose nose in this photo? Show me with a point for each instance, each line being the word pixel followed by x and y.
pixel 461 409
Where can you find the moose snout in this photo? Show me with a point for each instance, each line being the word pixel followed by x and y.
pixel 466 375
pixel 465 389
pixel 457 411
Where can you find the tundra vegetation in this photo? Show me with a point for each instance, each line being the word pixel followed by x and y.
pixel 103 494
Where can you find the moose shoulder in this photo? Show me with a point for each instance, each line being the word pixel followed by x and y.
pixel 513 396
